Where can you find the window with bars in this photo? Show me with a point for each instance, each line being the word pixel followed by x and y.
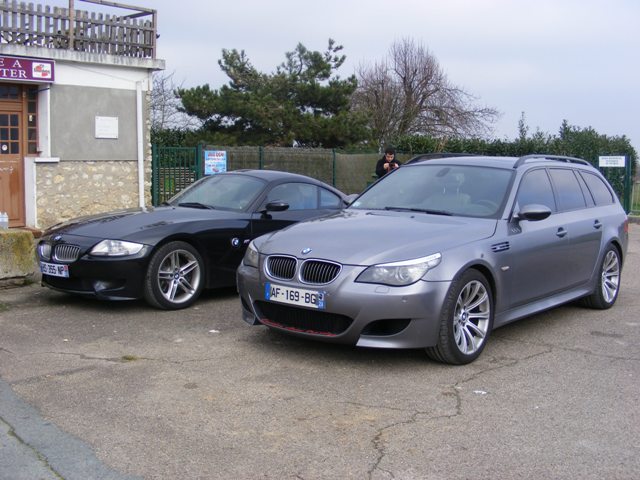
pixel 9 133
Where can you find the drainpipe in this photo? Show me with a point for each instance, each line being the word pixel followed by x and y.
pixel 72 25
pixel 140 135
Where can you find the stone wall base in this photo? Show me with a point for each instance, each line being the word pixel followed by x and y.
pixel 18 263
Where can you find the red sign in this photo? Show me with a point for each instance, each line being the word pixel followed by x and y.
pixel 26 69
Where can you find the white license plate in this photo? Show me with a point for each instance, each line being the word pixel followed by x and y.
pixel 294 296
pixel 54 269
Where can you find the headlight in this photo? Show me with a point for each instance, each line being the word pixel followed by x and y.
pixel 251 256
pixel 399 273
pixel 44 250
pixel 115 248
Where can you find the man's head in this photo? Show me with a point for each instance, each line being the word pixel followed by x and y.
pixel 389 153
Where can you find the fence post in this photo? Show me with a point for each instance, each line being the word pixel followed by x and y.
pixel 154 178
pixel 260 157
pixel 199 154
pixel 627 184
pixel 333 167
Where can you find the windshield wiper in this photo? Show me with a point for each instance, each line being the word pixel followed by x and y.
pixel 420 210
pixel 196 205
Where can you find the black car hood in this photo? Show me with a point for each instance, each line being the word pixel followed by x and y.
pixel 139 223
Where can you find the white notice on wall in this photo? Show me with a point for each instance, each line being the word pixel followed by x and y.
pixel 106 127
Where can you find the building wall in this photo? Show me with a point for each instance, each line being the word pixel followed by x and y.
pixel 93 175
pixel 73 128
pixel 78 187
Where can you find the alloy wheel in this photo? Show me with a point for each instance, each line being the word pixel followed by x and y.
pixel 472 317
pixel 179 276
pixel 610 276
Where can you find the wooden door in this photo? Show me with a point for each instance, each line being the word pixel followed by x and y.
pixel 12 167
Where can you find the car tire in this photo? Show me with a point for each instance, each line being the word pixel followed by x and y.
pixel 466 320
pixel 175 276
pixel 608 285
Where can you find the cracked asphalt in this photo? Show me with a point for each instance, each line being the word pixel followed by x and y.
pixel 120 391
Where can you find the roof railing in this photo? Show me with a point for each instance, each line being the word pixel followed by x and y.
pixel 521 160
pixel 557 158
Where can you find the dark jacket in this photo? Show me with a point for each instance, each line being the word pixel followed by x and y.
pixel 380 171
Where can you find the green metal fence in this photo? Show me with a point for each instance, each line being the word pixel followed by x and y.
pixel 174 168
pixel 635 199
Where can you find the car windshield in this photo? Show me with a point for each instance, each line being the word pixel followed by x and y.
pixel 223 192
pixel 463 190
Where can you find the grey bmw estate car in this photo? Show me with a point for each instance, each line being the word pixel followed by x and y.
pixel 440 252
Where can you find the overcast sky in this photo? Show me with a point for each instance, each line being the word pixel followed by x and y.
pixel 551 59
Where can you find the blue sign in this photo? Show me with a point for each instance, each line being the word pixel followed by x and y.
pixel 215 161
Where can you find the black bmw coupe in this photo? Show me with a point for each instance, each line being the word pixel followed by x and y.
pixel 169 254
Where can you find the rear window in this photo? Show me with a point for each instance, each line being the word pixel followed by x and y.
pixel 599 191
pixel 568 189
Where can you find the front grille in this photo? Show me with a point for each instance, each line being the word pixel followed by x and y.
pixel 66 253
pixel 318 272
pixel 281 267
pixel 302 320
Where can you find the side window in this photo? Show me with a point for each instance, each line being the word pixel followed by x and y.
pixel 585 191
pixel 568 189
pixel 329 199
pixel 299 196
pixel 599 191
pixel 309 196
pixel 535 187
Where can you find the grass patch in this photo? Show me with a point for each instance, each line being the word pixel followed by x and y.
pixel 129 358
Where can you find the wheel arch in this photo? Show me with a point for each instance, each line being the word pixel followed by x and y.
pixel 487 273
pixel 616 243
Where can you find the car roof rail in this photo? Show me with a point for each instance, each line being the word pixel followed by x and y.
pixel 557 158
pixel 433 156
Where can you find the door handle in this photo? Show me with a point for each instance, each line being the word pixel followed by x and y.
pixel 561 232
pixel 597 224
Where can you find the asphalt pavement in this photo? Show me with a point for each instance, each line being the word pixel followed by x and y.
pixel 118 390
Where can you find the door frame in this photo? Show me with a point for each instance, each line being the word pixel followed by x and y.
pixel 16 205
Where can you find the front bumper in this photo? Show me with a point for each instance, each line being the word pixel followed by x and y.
pixel 359 314
pixel 105 278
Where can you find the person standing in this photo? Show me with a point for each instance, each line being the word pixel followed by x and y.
pixel 387 163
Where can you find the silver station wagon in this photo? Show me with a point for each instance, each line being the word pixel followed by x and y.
pixel 440 252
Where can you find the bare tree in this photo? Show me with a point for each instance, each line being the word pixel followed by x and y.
pixel 410 94
pixel 166 105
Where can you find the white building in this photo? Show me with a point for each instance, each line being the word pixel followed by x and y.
pixel 74 116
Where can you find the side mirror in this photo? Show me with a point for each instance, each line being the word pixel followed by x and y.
pixel 533 212
pixel 276 206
